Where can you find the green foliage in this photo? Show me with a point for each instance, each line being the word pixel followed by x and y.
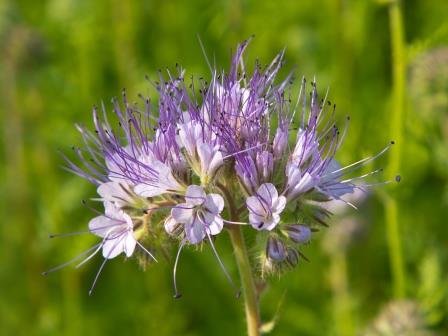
pixel 60 57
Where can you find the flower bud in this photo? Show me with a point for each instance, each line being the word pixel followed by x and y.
pixel 280 142
pixel 300 234
pixel 265 165
pixel 172 227
pixel 292 259
pixel 276 250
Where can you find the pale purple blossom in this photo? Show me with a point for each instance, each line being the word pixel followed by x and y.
pixel 297 181
pixel 164 182
pixel 239 138
pixel 200 214
pixel 202 149
pixel 265 207
pixel 119 193
pixel 116 229
pixel 298 233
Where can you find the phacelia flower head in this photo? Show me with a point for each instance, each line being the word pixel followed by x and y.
pixel 235 151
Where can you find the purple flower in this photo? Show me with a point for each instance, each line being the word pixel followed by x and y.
pixel 116 229
pixel 200 214
pixel 298 182
pixel 164 182
pixel 239 135
pixel 298 233
pixel 119 193
pixel 276 250
pixel 202 149
pixel 265 207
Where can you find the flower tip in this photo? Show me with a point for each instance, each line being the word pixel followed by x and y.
pixel 177 296
pixel 397 178
pixel 392 142
pixel 90 292
pixel 45 273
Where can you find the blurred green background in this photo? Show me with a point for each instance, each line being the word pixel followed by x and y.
pixel 60 57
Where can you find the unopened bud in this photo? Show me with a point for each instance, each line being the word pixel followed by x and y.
pixel 293 257
pixel 300 234
pixel 275 250
pixel 172 227
pixel 265 165
pixel 280 142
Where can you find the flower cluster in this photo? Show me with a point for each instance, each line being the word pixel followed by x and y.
pixel 237 150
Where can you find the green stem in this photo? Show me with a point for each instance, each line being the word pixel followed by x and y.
pixel 342 303
pixel 247 281
pixel 244 268
pixel 398 91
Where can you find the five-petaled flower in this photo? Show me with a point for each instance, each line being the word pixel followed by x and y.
pixel 265 207
pixel 200 214
pixel 116 229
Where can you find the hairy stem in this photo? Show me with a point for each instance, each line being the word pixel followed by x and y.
pixel 398 91
pixel 244 268
pixel 247 281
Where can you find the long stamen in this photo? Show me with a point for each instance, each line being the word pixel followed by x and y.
pixel 177 294
pixel 90 256
pixel 68 234
pixel 237 291
pixel 232 222
pixel 119 241
pixel 363 176
pixel 97 276
pixel 56 268
pixel 356 165
pixel 243 151
pixel 144 249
